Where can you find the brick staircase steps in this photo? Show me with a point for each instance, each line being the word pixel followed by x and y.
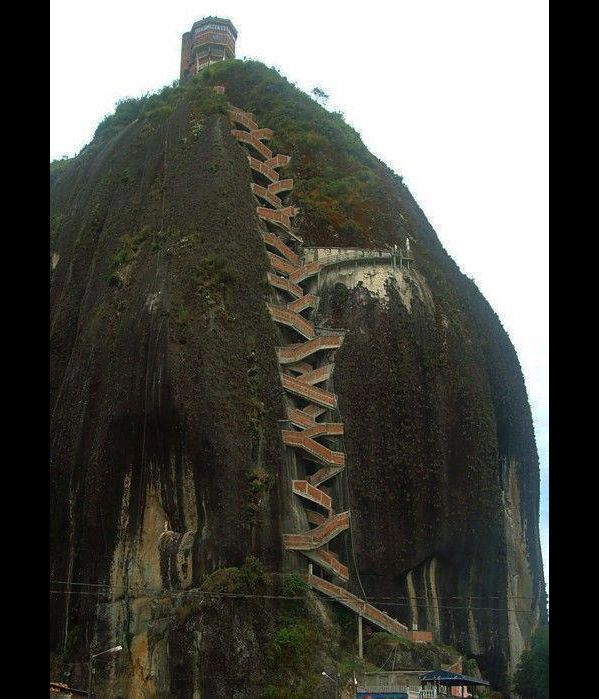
pixel 312 493
pixel 262 134
pixel 281 265
pixel 264 169
pixel 310 393
pixel 281 218
pixel 244 118
pixel 285 185
pixel 283 284
pixel 249 139
pixel 318 375
pixel 324 429
pixel 276 243
pixel 324 474
pixel 329 561
pixel 267 196
pixel 318 451
pixel 288 271
pixel 315 517
pixel 301 368
pixel 306 301
pixel 305 272
pixel 295 353
pixel 368 611
pixel 292 320
pixel 313 543
pixel 299 418
pixel 319 536
pixel 278 161
pixel 314 410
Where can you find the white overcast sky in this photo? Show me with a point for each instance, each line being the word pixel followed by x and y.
pixel 451 95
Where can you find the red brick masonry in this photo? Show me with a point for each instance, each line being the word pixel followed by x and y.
pixel 324 428
pixel 251 140
pixel 300 418
pixel 301 368
pixel 315 376
pixel 244 118
pixel 306 301
pixel 328 560
pixel 306 490
pixel 320 535
pixel 363 608
pixel 325 474
pixel 280 217
pixel 305 272
pixel 297 352
pixel 265 194
pixel 318 451
pixel 275 242
pixel 269 193
pixel 292 319
pixel 311 393
pixel 281 265
pixel 284 284
pixel 264 168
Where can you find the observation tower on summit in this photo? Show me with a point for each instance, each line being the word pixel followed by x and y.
pixel 210 40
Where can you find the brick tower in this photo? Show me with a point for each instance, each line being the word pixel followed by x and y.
pixel 211 39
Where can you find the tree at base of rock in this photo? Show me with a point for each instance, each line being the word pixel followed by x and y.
pixel 531 679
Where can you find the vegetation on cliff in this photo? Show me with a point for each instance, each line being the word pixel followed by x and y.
pixel 166 396
pixel 531 679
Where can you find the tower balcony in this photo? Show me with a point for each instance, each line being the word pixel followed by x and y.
pixel 213 41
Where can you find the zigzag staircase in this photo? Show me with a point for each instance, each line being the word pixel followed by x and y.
pixel 304 367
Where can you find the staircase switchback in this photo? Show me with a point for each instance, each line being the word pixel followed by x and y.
pixel 304 366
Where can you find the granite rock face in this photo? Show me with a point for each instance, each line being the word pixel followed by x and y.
pixel 166 458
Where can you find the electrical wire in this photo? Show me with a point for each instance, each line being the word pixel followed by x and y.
pixel 345 479
pixel 239 595
pixel 380 598
pixel 66 582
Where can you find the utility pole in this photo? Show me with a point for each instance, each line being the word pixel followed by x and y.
pixel 336 681
pixel 116 649
pixel 360 649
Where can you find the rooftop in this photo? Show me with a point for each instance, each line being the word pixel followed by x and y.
pixel 220 20
pixel 452 679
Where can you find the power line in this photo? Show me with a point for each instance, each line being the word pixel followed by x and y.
pixel 239 595
pixel 345 479
pixel 381 598
pixel 78 592
pixel 67 582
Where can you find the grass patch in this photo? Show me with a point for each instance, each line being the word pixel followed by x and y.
pixel 124 256
pixel 408 654
pixel 61 165
pixel 154 109
pixel 259 483
pixel 336 177
pixel 250 578
pixel 214 280
pixel 294 585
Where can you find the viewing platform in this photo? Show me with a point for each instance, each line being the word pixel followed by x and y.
pixel 396 256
